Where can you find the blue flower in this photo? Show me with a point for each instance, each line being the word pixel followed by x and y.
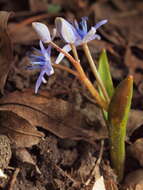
pixel 42 62
pixel 76 34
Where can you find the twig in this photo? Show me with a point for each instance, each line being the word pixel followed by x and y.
pixel 13 180
pixel 65 69
pixel 95 171
pixel 65 174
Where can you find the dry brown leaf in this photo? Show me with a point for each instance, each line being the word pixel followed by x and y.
pixel 111 178
pixel 23 35
pixel 134 179
pixel 55 115
pixel 136 150
pixel 6 54
pixel 23 155
pixel 133 63
pixel 20 132
pixel 135 121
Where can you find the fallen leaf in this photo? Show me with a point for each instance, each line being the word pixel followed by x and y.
pixel 133 63
pixel 23 155
pixel 111 178
pixel 20 132
pixel 55 115
pixel 135 121
pixel 20 36
pixel 134 179
pixel 136 150
pixel 6 54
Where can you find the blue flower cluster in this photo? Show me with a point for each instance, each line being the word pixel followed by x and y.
pixel 75 33
pixel 42 62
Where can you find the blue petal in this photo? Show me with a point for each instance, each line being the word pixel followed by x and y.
pixel 41 63
pixel 82 29
pixel 49 50
pixel 93 37
pixel 36 58
pixel 76 24
pixel 39 81
pixel 66 48
pixel 44 80
pixel 100 24
pixel 37 50
pixel 49 71
pixel 33 67
pixel 46 52
pixel 66 30
pixel 84 24
pixel 89 35
pixel 78 43
pixel 43 50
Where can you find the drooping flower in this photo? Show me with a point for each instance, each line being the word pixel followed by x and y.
pixel 42 62
pixel 75 33
pixel 42 31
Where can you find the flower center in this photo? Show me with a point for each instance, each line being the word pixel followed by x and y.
pixel 81 28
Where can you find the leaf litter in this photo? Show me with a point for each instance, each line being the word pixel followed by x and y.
pixel 49 113
pixel 6 54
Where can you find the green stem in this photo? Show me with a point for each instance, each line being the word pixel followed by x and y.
pixel 95 72
pixel 74 52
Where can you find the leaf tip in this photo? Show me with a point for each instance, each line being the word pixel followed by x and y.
pixel 130 79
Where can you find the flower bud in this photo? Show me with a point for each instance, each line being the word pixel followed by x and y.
pixel 65 30
pixel 42 31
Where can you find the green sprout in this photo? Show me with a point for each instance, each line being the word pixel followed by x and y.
pixel 117 115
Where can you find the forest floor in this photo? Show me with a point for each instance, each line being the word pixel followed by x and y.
pixel 58 137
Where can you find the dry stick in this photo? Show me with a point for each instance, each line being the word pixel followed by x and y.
pixel 101 102
pixel 95 72
pixel 65 174
pixel 65 69
pixel 95 171
pixel 13 180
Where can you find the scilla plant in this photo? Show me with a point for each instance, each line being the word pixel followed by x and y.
pixel 114 103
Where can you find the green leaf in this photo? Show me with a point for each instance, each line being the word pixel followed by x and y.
pixel 118 113
pixel 105 74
